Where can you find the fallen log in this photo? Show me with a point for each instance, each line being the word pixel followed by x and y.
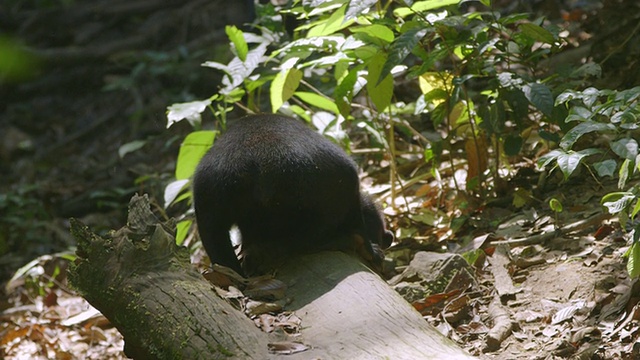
pixel 144 284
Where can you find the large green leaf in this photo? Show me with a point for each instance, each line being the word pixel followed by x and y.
pixel 617 201
pixel 422 6
pixel 283 87
pixel 539 96
pixel 357 7
pixel 605 168
pixel 633 264
pixel 189 111
pixel 375 31
pixel 237 39
pixel 569 162
pixel 344 92
pixel 625 148
pixel 192 149
pixel 583 128
pixel 537 33
pixel 380 90
pixel 316 100
pixel 333 24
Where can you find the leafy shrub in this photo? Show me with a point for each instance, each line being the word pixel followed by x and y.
pixel 385 67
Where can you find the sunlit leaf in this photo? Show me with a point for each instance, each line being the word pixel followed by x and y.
pixel 192 149
pixel 578 113
pixel 375 31
pixel 626 169
pixel 422 6
pixel 317 101
pixel 625 148
pixel 331 25
pixel 555 205
pixel 130 147
pixel 636 209
pixel 182 230
pixel 283 86
pixel 633 264
pixel 237 39
pixel 173 190
pixel 189 111
pixel 616 202
pixel 358 7
pixel 380 90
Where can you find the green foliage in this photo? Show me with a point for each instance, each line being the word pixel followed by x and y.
pixel 23 221
pixel 473 75
pixel 614 117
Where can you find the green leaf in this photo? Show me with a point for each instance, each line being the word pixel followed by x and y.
pixel 633 264
pixel 422 6
pixel 190 111
pixel 555 205
pixel 130 147
pixel 578 113
pixel 358 7
pixel 590 96
pixel 539 96
pixel 569 162
pixel 517 102
pixel 583 128
pixel 237 70
pixel 628 117
pixel 605 168
pixel 547 158
pixel 587 70
pixel 616 202
pixel 537 33
pixel 192 149
pixel 316 100
pixel 626 169
pixel 182 230
pixel 333 24
pixel 625 148
pixel 380 91
pixel 401 48
pixel 375 31
pixel 237 39
pixel 343 93
pixel 512 145
pixel 636 209
pixel 567 96
pixel 172 191
pixel 283 86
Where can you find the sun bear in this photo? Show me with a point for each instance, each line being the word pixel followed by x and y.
pixel 288 190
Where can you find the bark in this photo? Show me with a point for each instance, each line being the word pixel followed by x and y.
pixel 144 284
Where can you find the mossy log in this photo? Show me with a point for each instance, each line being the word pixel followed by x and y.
pixel 145 285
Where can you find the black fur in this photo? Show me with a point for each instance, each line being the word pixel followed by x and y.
pixel 288 189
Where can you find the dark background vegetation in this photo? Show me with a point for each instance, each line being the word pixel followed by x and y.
pixel 91 76
pixel 98 74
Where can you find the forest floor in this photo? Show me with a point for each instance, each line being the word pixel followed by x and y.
pixel 565 296
pixel 557 297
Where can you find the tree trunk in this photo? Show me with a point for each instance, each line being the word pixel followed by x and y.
pixel 144 284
